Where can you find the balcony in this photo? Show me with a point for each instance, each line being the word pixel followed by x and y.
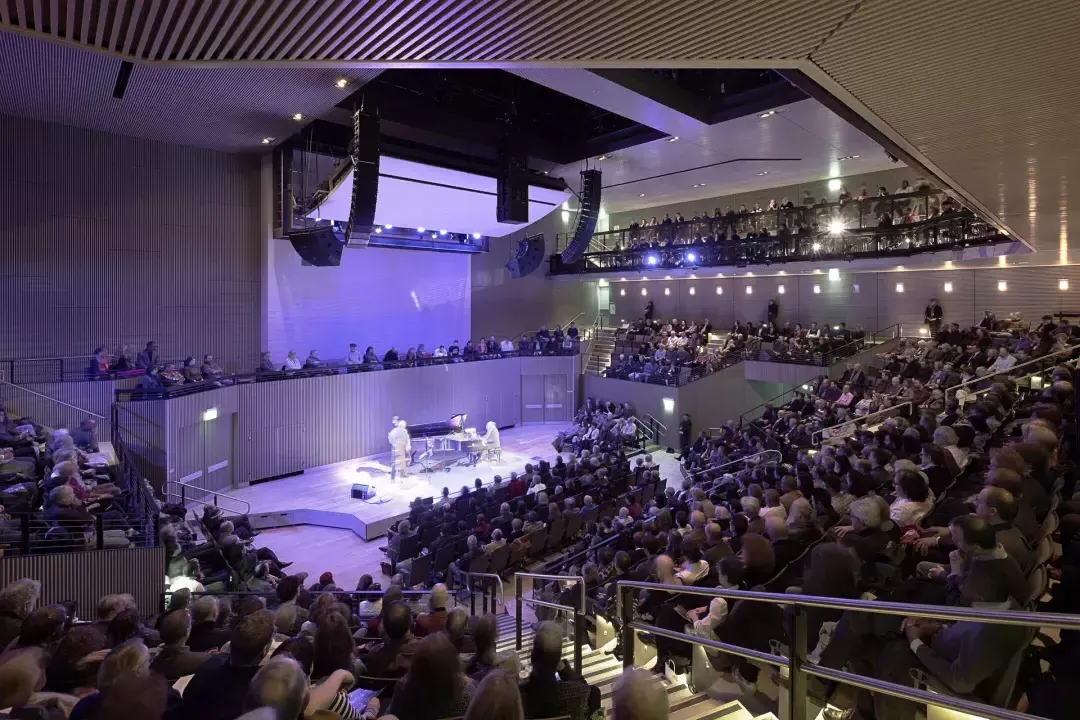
pixel 886 226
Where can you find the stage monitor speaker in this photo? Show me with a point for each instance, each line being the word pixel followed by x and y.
pixel 587 216
pixel 360 491
pixel 512 186
pixel 320 246
pixel 530 256
pixel 365 189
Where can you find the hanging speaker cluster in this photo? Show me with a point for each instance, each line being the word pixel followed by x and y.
pixel 365 189
pixel 586 222
pixel 512 184
pixel 530 255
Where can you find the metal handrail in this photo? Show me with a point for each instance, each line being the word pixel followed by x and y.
pixel 780 458
pixel 579 612
pixel 796 660
pixel 1069 350
pixel 592 548
pixel 215 493
pixel 52 399
pixel 834 352
pixel 800 387
pixel 470 575
pixel 662 425
pixel 645 429
pixel 818 435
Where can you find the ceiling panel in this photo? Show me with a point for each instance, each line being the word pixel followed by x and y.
pixel 224 108
pixel 802 142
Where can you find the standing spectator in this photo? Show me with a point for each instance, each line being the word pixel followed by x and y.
pixel 933 315
pixel 686 429
pixel 649 310
pixel 772 312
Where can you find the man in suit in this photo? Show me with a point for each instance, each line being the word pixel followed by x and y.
pixel 175 659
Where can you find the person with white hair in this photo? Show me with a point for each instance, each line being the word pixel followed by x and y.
pixel 491 443
pixel 639 695
pixel 400 450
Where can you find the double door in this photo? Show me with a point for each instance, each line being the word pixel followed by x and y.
pixel 546 399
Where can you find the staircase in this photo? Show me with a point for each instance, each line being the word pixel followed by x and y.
pixel 603 346
pixel 602 669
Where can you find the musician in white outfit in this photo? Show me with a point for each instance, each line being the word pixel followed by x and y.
pixel 400 450
pixel 491 440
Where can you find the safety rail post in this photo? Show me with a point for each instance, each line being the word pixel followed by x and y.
pixel 579 628
pixel 517 608
pixel 796 660
pixel 99 531
pixel 25 531
pixel 626 617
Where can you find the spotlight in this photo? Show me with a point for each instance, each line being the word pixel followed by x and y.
pixel 835 327
pixel 767 114
pixel 948 287
pixel 691 256
pixel 267 140
pixel 476 236
pixel 834 274
pixel 780 289
pixel 298 117
pixel 644 291
pixel 434 236
pixel 815 247
pixel 834 184
pixel 817 289
pixel 442 232
pixel 836 227
pixel 1063 284
pixel 602 157
pixel 378 229
pixel 673 138
pixel 652 260
pixel 388 227
pixel 419 229
pixel 341 82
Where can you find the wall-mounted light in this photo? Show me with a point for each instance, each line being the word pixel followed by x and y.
pixel 948 287
pixel 719 290
pixel 692 290
pixel 644 291
pixel 209 414
pixel 855 288
pixel 623 292
pixel 780 289
pixel 749 289
pixel 667 291
pixel 834 274
pixel 817 289
pixel 1063 284
pixel 669 405
pixel 834 184
pixel 1003 286
pixel 899 287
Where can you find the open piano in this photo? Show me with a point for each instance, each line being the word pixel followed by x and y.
pixel 439 445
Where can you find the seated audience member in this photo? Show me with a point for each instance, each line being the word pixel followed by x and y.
pixel 353 357
pixel 434 686
pixel 434 620
pixel 210 369
pixel 149 357
pixel 17 600
pixel 206 634
pixel 191 371
pixel 313 360
pixel 391 657
pixel 218 688
pixel 639 695
pixel 281 685
pixel 496 698
pixel 127 666
pixel 267 364
pixel 175 659
pixel 553 688
pixel 292 362
pixel 485 658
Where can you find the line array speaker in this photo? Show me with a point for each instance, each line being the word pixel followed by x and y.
pixel 530 255
pixel 320 246
pixel 512 185
pixel 586 222
pixel 365 189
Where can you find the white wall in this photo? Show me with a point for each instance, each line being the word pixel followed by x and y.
pixel 377 296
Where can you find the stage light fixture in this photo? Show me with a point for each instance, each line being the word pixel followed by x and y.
pixel 434 236
pixel 719 290
pixel 341 83
pixel 388 227
pixel 834 184
pixel 652 260
pixel 948 287
pixel 836 227
pixel 298 117
pixel 1002 286
pixel 817 289
pixel 780 289
pixel 749 289
pixel 816 247
pixel 644 291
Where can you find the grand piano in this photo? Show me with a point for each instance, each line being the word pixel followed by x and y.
pixel 439 445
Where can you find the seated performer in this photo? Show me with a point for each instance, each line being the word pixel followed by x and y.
pixel 491 440
pixel 400 449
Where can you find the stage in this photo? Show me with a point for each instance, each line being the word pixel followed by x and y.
pixel 321 496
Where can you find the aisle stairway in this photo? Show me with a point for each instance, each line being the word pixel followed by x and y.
pixel 602 669
pixel 603 345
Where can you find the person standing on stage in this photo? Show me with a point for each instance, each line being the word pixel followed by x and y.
pixel 400 449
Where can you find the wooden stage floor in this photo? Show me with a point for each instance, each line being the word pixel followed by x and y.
pixel 326 489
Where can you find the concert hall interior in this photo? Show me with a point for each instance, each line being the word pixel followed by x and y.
pixel 733 342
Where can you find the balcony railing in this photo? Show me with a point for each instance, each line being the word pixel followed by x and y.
pixel 952 231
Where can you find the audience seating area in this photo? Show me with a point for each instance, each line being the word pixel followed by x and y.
pixel 666 353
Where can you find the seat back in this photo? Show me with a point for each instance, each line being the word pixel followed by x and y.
pixel 555 534
pixel 421 569
pixel 518 553
pixel 444 556
pixel 499 559
pixel 1044 551
pixel 573 525
pixel 1038 581
pixel 409 547
pixel 480 564
pixel 537 542
pixel 1049 524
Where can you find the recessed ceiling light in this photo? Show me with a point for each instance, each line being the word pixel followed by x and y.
pixel 267 140
pixel 763 172
pixel 767 114
pixel 341 82
pixel 641 194
pixel 847 157
pixel 602 157
pixel 673 138
pixel 298 116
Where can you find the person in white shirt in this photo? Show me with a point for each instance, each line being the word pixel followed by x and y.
pixel 1004 362
pixel 905 188
pixel 440 352
pixel 292 362
pixel 353 358
pixel 506 346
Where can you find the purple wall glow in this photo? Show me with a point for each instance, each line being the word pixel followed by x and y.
pixel 377 296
